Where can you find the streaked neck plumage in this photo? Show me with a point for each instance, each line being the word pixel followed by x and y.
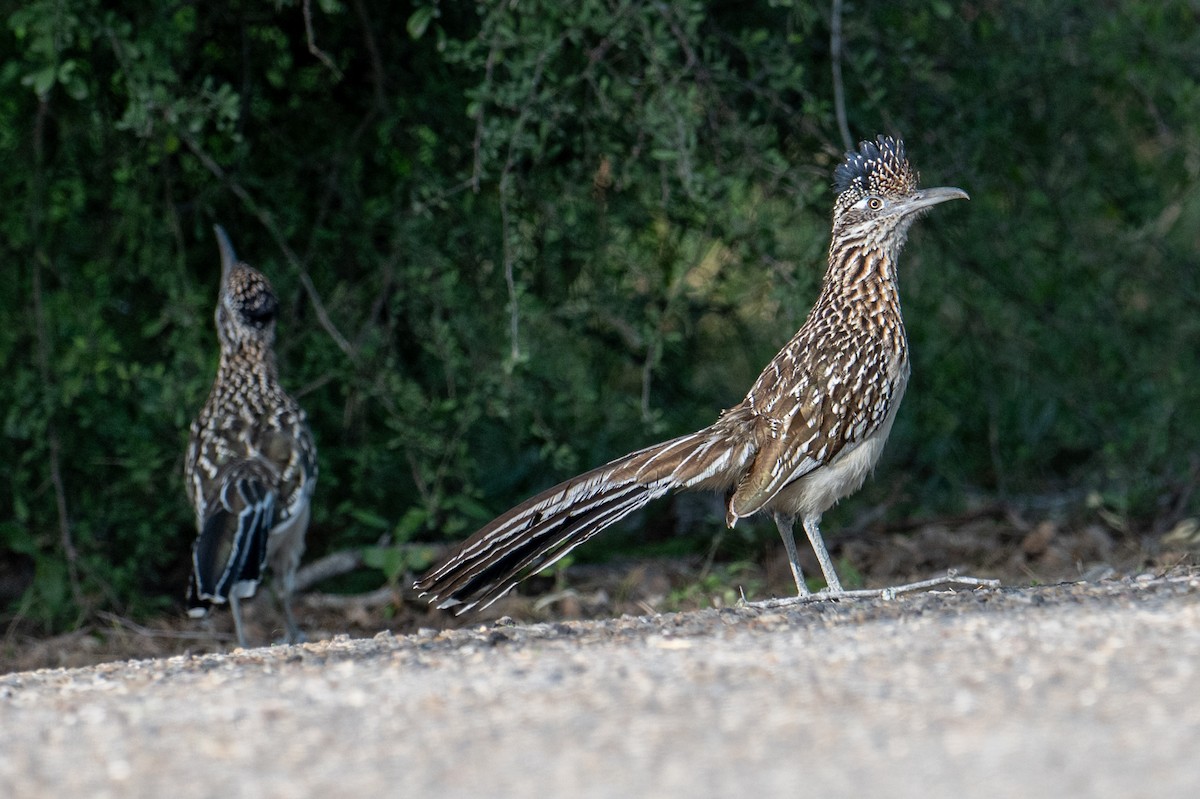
pixel 247 373
pixel 862 274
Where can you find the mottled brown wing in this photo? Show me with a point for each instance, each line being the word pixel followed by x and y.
pixel 231 547
pixel 811 404
pixel 288 446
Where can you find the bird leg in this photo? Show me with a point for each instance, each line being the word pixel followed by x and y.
pixel 784 523
pixel 287 549
pixel 833 584
pixel 294 634
pixel 235 608
pixel 834 588
pixel 283 589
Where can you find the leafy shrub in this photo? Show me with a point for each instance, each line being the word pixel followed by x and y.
pixel 517 239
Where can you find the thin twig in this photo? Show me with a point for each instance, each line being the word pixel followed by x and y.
pixel 386 595
pixel 312 386
pixel 149 632
pixel 951 578
pixel 321 55
pixel 64 519
pixel 510 163
pixel 653 354
pixel 437 199
pixel 344 561
pixel 477 144
pixel 265 219
pixel 510 280
pixel 839 92
pixel 318 306
pixel 334 564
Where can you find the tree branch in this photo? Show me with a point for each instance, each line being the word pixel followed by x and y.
pixel 265 219
pixel 839 92
pixel 321 55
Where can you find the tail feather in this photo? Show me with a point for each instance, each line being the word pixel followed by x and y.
pixel 230 552
pixel 488 578
pixel 538 532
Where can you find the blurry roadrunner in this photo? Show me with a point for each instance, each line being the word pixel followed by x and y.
pixel 251 464
pixel 807 434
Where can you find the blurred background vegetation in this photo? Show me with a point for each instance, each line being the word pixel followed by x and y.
pixel 515 239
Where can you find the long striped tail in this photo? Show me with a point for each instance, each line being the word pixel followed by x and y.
pixel 231 550
pixel 537 533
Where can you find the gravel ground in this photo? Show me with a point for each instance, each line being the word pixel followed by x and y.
pixel 1086 689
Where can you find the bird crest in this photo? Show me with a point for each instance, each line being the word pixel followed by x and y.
pixel 250 296
pixel 247 301
pixel 878 168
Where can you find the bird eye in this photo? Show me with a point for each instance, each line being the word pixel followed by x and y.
pixel 874 203
pixel 260 315
pixel 261 310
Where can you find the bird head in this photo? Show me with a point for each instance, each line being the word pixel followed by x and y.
pixel 247 307
pixel 877 194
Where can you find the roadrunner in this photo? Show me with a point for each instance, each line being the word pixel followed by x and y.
pixel 807 434
pixel 251 463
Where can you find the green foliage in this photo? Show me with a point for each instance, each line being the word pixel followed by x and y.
pixel 517 239
pixel 722 586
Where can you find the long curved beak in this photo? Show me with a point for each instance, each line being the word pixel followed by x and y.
pixel 924 198
pixel 228 256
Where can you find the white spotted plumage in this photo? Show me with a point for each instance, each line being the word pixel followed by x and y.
pixel 808 433
pixel 251 463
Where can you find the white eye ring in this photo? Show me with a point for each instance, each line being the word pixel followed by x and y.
pixel 874 203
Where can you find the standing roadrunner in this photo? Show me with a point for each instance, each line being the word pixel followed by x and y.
pixel 807 434
pixel 251 464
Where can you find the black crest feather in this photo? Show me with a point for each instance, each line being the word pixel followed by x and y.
pixel 878 167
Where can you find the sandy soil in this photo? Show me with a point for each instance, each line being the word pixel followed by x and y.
pixel 1084 689
pixel 997 544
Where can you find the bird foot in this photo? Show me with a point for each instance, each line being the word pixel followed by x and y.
pixel 293 637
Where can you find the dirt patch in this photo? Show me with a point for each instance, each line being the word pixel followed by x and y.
pixel 1003 547
pixel 1080 689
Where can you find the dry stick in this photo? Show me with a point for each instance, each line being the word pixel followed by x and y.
pixel 334 564
pixel 64 520
pixel 950 578
pixel 345 561
pixel 510 280
pixel 1182 498
pixel 150 632
pixel 265 219
pixel 312 44
pixel 505 181
pixel 835 56
pixel 386 595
